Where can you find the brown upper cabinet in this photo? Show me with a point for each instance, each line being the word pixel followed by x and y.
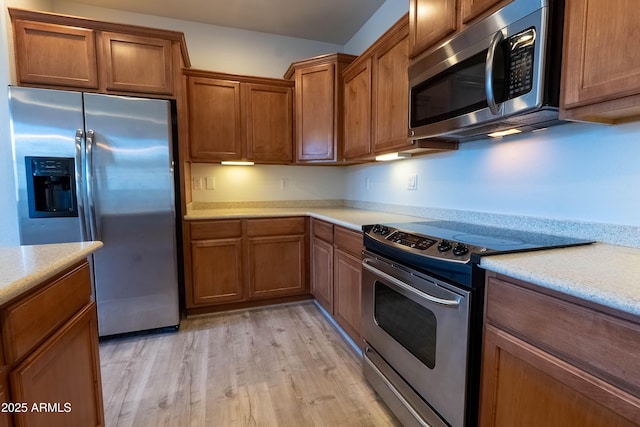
pixel 318 111
pixel 601 67
pixel 66 52
pixel 234 117
pixel 376 105
pixel 432 21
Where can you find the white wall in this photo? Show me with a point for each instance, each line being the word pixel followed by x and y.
pixel 582 172
pixel 388 14
pixel 217 48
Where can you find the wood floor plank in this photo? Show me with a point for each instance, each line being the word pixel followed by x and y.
pixel 280 366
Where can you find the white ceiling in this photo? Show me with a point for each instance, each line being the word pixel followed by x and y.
pixel 332 21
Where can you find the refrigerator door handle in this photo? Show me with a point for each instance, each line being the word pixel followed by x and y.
pixel 89 185
pixel 79 171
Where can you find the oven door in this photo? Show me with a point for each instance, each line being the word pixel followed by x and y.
pixel 419 326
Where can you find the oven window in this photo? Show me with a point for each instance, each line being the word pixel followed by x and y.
pixel 456 91
pixel 409 323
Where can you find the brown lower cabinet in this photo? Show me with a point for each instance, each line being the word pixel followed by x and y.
pixel 246 261
pixel 336 254
pixel 554 362
pixel 51 372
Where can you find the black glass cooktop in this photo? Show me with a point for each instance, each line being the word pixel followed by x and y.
pixel 494 239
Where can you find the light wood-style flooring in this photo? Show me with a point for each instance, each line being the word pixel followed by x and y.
pixel 276 366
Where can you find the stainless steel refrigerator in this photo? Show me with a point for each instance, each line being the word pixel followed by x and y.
pixel 99 167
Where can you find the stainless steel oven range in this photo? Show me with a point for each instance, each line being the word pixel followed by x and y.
pixel 422 297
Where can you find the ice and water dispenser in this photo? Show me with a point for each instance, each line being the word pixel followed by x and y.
pixel 51 187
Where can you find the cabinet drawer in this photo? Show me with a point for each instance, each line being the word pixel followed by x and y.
pixel 321 229
pixel 276 226
pixel 579 335
pixel 349 241
pixel 216 229
pixel 31 320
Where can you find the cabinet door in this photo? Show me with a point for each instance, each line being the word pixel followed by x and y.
pixel 322 273
pixel 391 94
pixel 63 374
pixel 5 417
pixel 215 129
pixel 315 113
pixel 268 116
pixel 357 110
pixel 346 292
pixel 600 58
pixel 471 9
pixel 429 22
pixel 137 64
pixel 216 267
pixel 58 55
pixel 524 386
pixel 276 266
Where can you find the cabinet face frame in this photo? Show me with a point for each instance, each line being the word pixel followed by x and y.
pixel 267 116
pixel 347 284
pixel 322 257
pixel 571 343
pixel 208 286
pixel 357 110
pixel 390 94
pixel 45 364
pixel 424 33
pixel 215 128
pixel 315 113
pixel 124 59
pixel 276 266
pixel 600 75
pixel 72 50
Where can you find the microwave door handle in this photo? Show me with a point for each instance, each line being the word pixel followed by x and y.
pixel 488 72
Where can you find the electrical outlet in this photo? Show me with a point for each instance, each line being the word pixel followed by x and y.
pixel 284 183
pixel 367 183
pixel 412 182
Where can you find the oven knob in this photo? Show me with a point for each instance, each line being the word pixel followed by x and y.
pixel 444 246
pixel 460 249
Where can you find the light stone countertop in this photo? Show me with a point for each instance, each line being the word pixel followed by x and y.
pixel 605 274
pixel 347 217
pixel 602 273
pixel 23 267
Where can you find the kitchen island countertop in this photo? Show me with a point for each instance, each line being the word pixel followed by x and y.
pixel 23 267
pixel 601 273
pixel 347 217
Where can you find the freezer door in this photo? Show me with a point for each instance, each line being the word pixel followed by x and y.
pixel 46 124
pixel 132 211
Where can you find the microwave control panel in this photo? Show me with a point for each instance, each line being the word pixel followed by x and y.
pixel 521 47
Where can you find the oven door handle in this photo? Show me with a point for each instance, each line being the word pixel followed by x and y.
pixel 367 264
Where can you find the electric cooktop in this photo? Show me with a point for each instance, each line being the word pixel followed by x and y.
pixel 452 250
pixel 460 242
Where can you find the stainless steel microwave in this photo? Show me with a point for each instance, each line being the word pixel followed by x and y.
pixel 499 74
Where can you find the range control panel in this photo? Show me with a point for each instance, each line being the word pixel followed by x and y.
pixel 427 246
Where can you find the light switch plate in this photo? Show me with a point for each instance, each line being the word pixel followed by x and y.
pixel 211 183
pixel 412 182
pixel 196 183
